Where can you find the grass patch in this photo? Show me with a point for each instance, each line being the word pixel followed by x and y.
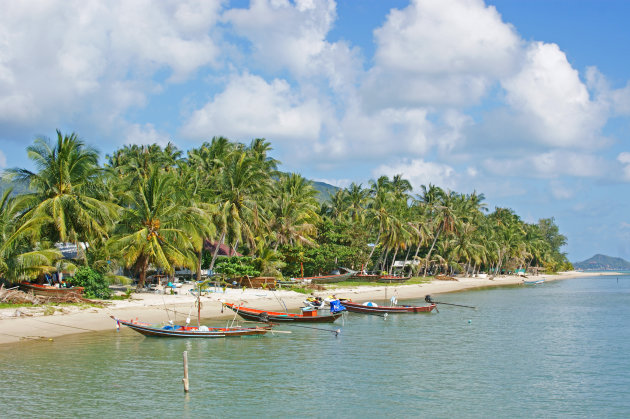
pixel 16 305
pixel 48 306
pixel 301 290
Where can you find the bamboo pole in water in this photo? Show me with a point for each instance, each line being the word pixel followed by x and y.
pixel 185 379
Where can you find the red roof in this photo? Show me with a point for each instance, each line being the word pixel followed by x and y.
pixel 224 249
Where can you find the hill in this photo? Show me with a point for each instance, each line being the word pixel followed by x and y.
pixel 603 263
pixel 325 191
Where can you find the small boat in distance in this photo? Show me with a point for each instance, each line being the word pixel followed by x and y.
pixel 191 332
pixel 310 316
pixel 534 281
pixel 373 308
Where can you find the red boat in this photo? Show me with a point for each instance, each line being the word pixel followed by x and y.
pixel 311 316
pixel 191 332
pixel 48 290
pixel 372 308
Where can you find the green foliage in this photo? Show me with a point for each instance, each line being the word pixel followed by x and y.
pixel 236 266
pixel 93 282
pixel 206 259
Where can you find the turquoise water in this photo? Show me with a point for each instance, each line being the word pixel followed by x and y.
pixel 559 349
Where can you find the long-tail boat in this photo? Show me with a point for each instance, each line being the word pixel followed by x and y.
pixel 191 332
pixel 393 278
pixel 372 308
pixel 310 316
pixel 48 290
pixel 326 279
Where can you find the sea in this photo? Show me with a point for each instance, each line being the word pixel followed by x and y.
pixel 553 350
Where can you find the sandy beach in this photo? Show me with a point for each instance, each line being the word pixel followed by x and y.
pixel 34 323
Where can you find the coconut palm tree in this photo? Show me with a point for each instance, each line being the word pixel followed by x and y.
pixel 63 203
pixel 19 259
pixel 293 213
pixel 152 230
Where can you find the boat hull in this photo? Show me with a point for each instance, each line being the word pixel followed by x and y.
pixel 277 317
pixel 393 279
pixel 360 308
pixel 193 332
pixel 327 279
pixel 48 291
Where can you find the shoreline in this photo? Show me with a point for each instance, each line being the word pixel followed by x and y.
pixel 32 324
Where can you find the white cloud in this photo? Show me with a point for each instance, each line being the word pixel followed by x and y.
pixel 624 159
pixel 3 160
pixel 292 35
pixel 420 172
pixel 549 165
pixel 145 134
pixel 62 61
pixel 560 190
pixel 250 107
pixel 552 102
pixel 440 52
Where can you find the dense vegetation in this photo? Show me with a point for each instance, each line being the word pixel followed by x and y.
pixel 149 207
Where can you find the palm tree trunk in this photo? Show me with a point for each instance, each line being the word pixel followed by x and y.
pixel 143 272
pixel 216 251
pixel 426 266
pixel 406 259
pixel 199 256
pixel 391 267
pixel 382 259
pixel 372 252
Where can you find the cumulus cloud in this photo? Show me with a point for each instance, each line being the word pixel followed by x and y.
pixel 145 134
pixel 61 60
pixel 549 165
pixel 440 52
pixel 3 160
pixel 251 107
pixel 548 93
pixel 420 172
pixel 291 36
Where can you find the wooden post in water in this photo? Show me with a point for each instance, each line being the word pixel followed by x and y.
pixel 185 379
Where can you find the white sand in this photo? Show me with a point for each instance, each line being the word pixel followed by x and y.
pixel 26 324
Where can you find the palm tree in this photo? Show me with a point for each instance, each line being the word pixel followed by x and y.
pixel 63 204
pixel 152 229
pixel 356 199
pixel 293 212
pixel 445 219
pixel 241 183
pixel 20 259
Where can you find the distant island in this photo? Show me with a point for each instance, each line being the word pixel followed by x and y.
pixel 603 263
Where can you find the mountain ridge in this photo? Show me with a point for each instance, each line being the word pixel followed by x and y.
pixel 601 262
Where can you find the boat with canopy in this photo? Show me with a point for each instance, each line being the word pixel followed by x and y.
pixel 309 316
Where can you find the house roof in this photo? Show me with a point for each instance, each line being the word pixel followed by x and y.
pixel 224 249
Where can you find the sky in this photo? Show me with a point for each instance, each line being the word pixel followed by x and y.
pixel 527 102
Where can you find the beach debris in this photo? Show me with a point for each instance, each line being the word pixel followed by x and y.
pixel 445 278
pixel 15 296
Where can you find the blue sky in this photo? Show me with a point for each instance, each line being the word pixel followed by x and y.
pixel 527 102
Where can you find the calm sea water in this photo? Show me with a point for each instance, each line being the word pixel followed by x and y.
pixel 560 349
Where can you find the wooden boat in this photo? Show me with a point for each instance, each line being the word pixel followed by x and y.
pixel 311 316
pixel 326 279
pixel 48 290
pixel 534 281
pixel 393 278
pixel 371 308
pixel 365 277
pixel 191 332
